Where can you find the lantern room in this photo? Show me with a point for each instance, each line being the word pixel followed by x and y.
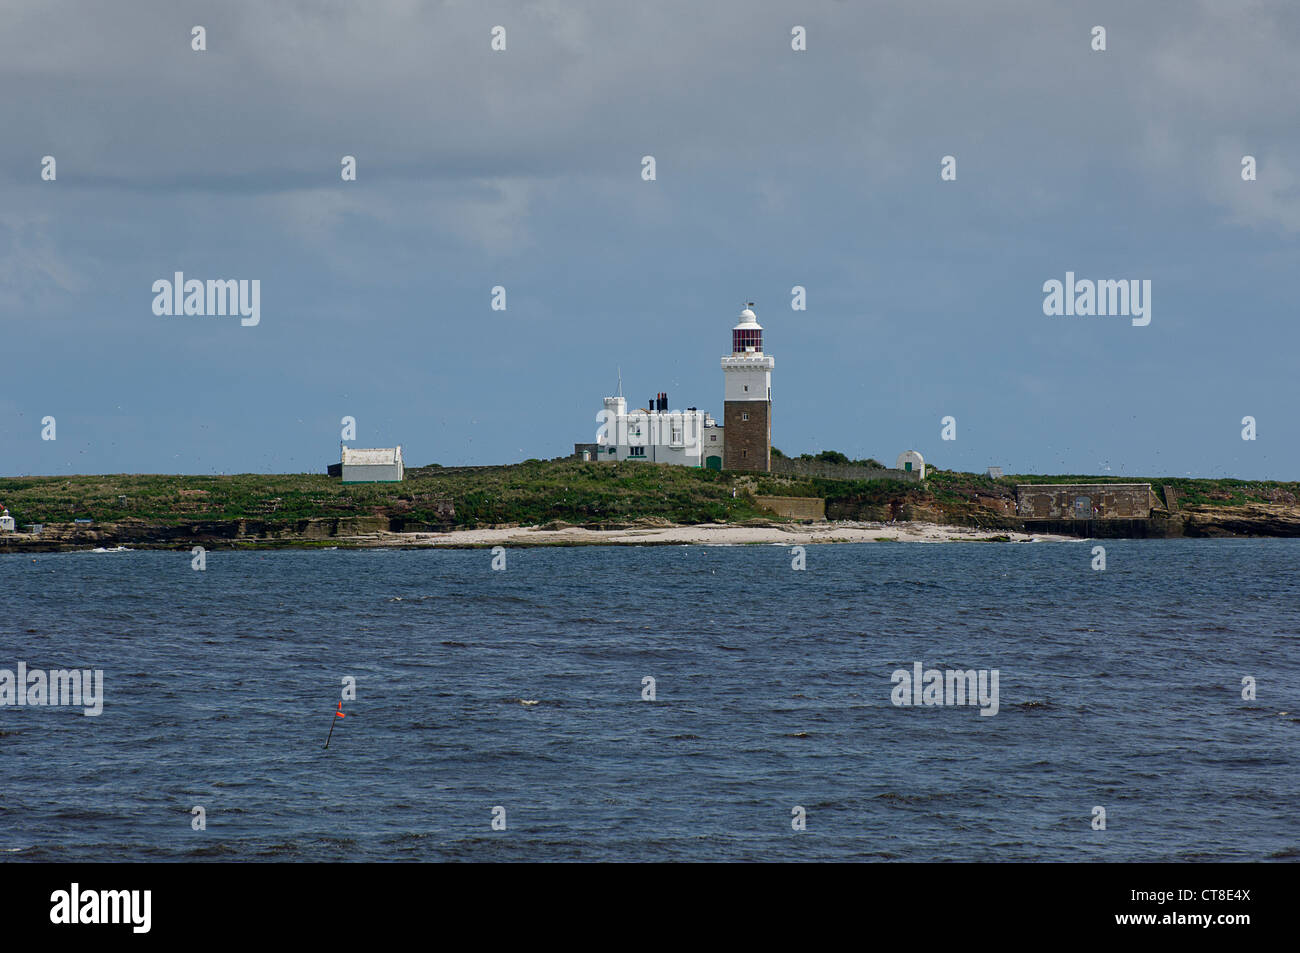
pixel 747 336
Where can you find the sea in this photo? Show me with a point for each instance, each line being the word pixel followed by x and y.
pixel 659 703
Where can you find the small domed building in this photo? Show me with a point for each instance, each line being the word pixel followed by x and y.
pixel 911 461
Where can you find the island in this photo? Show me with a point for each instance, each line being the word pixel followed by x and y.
pixel 573 502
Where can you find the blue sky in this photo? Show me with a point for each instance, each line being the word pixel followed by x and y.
pixel 775 168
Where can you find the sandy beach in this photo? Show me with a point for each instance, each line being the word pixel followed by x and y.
pixel 794 534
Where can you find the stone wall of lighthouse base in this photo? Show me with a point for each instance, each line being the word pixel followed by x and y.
pixel 748 443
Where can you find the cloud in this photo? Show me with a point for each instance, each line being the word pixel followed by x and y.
pixel 32 269
pixel 523 168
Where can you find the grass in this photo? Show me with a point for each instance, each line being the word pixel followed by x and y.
pixel 534 492
pixel 527 493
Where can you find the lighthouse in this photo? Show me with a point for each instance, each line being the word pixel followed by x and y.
pixel 747 396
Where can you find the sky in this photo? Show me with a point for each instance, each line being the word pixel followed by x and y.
pixel 774 168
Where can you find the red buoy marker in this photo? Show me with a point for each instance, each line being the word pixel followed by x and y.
pixel 331 734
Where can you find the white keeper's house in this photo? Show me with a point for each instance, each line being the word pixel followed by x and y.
pixel 655 434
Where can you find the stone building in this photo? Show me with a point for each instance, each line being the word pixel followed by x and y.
pixel 1084 501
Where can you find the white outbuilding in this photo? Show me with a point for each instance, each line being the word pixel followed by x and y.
pixel 373 466
pixel 6 523
pixel 911 462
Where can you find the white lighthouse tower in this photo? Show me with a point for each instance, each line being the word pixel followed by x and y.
pixel 747 396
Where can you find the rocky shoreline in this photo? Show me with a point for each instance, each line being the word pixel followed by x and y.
pixel 1251 520
pixel 650 534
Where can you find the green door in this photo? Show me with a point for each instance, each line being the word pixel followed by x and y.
pixel 713 463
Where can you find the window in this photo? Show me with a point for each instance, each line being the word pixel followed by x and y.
pixel 636 451
pixel 744 454
pixel 713 436
pixel 744 416
pixel 747 388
